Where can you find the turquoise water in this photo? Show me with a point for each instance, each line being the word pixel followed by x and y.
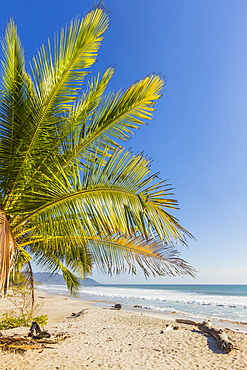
pixel 227 302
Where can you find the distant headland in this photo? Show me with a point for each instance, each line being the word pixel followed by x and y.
pixel 46 278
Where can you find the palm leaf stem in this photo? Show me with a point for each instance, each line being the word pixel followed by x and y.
pixel 75 195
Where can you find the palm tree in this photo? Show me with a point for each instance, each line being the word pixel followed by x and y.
pixel 70 196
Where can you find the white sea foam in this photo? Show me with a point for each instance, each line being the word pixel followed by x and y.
pixel 197 304
pixel 166 296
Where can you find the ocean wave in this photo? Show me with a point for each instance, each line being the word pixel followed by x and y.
pixel 166 297
pixel 193 304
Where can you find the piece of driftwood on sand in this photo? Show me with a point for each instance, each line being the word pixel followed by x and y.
pixel 219 334
pixel 22 344
pixel 77 314
pixel 35 339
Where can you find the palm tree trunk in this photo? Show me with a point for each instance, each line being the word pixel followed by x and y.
pixel 7 251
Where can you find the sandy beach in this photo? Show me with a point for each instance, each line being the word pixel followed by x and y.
pixel 101 338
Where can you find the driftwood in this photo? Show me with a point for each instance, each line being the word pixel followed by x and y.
pixel 19 344
pixel 22 344
pixel 189 322
pixel 36 339
pixel 222 340
pixel 77 314
pixel 206 327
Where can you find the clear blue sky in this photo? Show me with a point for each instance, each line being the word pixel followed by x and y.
pixel 199 133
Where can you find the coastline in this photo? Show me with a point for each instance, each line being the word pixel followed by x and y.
pixel 199 302
pixel 102 338
pixel 225 323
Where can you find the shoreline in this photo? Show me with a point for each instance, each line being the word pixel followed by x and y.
pixel 101 338
pixel 200 304
pixel 231 324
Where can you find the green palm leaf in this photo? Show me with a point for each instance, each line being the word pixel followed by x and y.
pixel 116 116
pixel 60 77
pixel 16 107
pixel 120 254
pixel 56 84
pixel 111 194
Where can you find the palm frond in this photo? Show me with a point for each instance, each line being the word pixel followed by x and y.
pixel 116 117
pixel 112 195
pixel 74 126
pixel 50 263
pixel 56 83
pixel 16 106
pixel 123 254
pixel 60 77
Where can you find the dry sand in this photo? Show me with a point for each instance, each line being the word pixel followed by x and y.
pixel 109 339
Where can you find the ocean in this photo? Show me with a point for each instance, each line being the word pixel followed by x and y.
pixel 215 302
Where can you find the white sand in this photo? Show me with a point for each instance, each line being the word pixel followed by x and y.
pixel 108 339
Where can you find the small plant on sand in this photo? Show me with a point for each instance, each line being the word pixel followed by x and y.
pixel 23 313
pixel 9 320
